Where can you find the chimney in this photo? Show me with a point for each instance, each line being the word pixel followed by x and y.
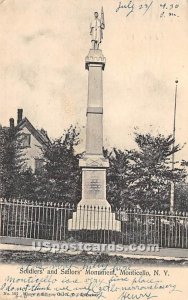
pixel 20 114
pixel 11 122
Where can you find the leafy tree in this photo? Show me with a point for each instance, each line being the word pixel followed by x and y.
pixel 61 177
pixel 119 178
pixel 135 177
pixel 152 167
pixel 181 196
pixel 142 177
pixel 11 164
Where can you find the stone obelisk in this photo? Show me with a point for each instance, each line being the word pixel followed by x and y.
pixel 93 163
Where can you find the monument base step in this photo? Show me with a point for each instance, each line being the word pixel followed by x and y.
pixel 94 218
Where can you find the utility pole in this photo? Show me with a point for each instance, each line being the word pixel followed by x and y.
pixel 172 191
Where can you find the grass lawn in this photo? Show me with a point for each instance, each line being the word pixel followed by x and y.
pixel 11 256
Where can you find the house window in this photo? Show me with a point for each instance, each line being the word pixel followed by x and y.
pixel 38 165
pixel 26 140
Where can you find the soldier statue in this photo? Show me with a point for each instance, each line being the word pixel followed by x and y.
pixel 96 30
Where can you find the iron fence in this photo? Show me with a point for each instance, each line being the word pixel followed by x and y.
pixel 49 221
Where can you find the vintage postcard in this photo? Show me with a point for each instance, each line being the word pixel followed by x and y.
pixel 93 149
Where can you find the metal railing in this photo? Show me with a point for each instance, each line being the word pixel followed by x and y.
pixel 49 221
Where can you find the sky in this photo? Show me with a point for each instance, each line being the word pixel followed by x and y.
pixel 43 45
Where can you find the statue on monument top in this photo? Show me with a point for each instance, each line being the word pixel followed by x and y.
pixel 96 29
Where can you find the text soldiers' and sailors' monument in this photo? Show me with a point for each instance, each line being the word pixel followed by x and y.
pixel 93 164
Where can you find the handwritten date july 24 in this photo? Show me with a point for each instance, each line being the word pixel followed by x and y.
pixel 144 7
pixel 130 6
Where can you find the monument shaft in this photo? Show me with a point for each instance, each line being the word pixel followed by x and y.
pixel 94 211
pixel 94 164
pixel 94 128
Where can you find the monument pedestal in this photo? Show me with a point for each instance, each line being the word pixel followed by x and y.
pixel 94 211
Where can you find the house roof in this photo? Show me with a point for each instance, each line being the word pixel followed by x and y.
pixel 40 135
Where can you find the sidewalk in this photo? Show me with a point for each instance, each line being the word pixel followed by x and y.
pixel 18 244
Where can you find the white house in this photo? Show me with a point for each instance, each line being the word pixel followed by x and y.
pixel 32 141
